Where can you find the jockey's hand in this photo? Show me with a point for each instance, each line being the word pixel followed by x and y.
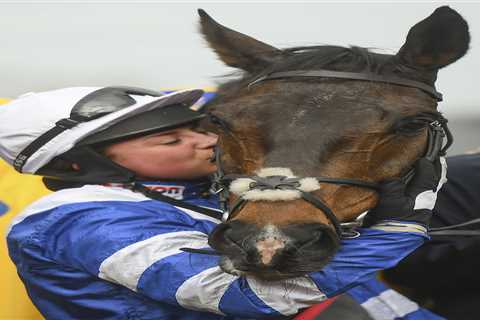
pixel 413 201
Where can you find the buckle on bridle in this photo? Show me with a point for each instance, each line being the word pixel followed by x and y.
pixel 349 234
pixel 348 228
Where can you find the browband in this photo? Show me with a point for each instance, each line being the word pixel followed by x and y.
pixel 352 76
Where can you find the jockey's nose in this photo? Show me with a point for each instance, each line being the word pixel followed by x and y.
pixel 207 140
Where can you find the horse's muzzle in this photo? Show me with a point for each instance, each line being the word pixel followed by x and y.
pixel 273 252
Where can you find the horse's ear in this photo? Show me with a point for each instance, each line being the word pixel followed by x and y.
pixel 236 49
pixel 438 40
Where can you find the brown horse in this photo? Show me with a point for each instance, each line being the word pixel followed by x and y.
pixel 360 115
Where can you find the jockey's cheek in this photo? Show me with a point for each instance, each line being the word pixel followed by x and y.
pixel 186 154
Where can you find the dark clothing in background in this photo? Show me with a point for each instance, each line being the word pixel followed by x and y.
pixel 447 268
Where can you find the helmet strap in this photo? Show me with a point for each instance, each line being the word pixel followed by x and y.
pixel 94 168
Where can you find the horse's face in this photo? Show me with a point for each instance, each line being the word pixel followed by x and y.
pixel 353 129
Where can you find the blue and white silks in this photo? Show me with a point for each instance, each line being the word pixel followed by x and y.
pixel 383 303
pixel 100 252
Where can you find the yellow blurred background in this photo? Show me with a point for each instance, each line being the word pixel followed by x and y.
pixel 16 192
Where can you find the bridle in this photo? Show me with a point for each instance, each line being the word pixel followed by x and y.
pixel 364 76
pixel 437 131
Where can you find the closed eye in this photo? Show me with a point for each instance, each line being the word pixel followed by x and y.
pixel 176 141
pixel 415 124
pixel 412 127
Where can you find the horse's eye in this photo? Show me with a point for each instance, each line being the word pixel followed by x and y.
pixel 413 126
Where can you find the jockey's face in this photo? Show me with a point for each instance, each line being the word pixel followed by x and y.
pixel 181 153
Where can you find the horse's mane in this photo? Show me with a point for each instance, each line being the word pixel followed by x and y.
pixel 329 57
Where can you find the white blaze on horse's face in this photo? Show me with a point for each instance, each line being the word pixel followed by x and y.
pixel 269 241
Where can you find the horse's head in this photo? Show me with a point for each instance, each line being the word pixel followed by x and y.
pixel 280 121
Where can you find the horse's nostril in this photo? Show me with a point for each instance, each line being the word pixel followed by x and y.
pixel 312 237
pixel 216 239
pixel 231 236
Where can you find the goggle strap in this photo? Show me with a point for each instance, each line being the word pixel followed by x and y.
pixel 28 151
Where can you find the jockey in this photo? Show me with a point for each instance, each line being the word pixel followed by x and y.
pixel 102 247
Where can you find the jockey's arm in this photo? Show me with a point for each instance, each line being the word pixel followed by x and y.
pixel 140 249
